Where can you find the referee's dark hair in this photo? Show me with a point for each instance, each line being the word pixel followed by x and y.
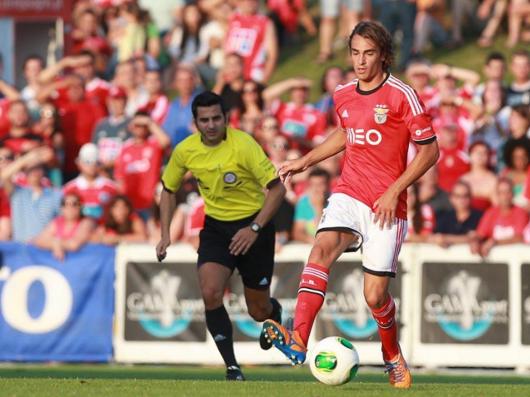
pixel 206 99
pixel 379 35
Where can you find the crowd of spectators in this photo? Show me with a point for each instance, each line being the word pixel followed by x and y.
pixel 83 143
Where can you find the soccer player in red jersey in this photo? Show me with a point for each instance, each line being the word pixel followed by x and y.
pixel 379 115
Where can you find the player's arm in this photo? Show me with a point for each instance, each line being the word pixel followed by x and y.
pixel 334 143
pixel 385 206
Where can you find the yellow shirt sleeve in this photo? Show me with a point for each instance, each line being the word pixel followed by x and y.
pixel 258 164
pixel 174 171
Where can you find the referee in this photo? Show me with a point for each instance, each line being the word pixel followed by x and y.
pixel 232 172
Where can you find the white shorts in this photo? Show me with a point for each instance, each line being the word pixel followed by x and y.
pixel 380 248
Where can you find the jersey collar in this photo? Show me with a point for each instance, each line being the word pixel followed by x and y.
pixel 358 89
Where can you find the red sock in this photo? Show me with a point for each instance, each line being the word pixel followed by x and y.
pixel 311 294
pixel 386 323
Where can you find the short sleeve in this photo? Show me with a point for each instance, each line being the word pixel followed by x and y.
pixel 418 122
pixel 485 226
pixel 521 220
pixel 258 163
pixel 174 171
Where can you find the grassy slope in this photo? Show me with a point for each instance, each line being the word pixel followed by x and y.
pixel 84 380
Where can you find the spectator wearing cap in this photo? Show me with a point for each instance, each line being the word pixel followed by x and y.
pixel 418 74
pixel 453 162
pixel 138 164
pixel 157 105
pixel 502 224
pixel 300 122
pixel 33 206
pixel 111 132
pixel 94 190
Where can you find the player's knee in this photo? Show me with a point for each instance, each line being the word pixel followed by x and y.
pixel 374 299
pixel 212 296
pixel 259 311
pixel 319 253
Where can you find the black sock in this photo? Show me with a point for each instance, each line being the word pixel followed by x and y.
pixel 220 327
pixel 276 313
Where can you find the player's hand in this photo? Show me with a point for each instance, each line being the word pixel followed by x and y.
pixel 385 209
pixel 242 241
pixel 161 249
pixel 288 168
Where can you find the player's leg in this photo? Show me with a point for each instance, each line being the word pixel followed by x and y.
pixel 213 279
pixel 262 306
pixel 380 258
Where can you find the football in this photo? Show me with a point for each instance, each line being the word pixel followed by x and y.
pixel 334 361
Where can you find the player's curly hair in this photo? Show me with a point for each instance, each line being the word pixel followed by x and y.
pixel 380 36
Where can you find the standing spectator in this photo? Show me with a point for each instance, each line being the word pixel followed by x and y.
pixel 420 216
pixel 158 104
pixel 184 42
pixel 300 122
pixel 21 137
pixel 516 157
pixel 418 74
pixel 431 193
pixel 86 29
pixel 518 15
pixel 253 37
pixel 428 25
pixel 68 232
pixel 501 224
pixel 286 16
pixel 494 70
pixel 230 80
pixel 93 189
pixel 482 181
pixel 139 163
pixel 401 14
pixel 519 90
pixel 111 132
pixel 132 39
pixel 267 131
pixel 462 10
pixel 179 121
pixel 120 224
pixel 32 67
pixel 453 162
pixel 309 207
pixel 491 11
pixel 457 225
pixel 33 206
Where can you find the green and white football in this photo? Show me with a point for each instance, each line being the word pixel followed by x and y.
pixel 334 361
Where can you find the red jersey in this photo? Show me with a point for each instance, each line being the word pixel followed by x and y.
pixel 97 90
pixel 452 164
pixel 138 169
pixel 300 123
pixel 5 124
pixel 157 108
pixel 94 195
pixel 287 12
pixel 379 125
pixel 499 226
pixel 246 37
pixel 5 207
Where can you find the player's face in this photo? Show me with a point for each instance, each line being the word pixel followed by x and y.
pixel 366 59
pixel 211 123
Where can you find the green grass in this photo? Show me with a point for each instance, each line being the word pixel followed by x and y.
pixel 108 380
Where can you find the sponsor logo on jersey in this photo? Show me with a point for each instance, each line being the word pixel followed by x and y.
pixel 358 136
pixel 380 114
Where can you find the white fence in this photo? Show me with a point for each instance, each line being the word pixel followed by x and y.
pixel 454 308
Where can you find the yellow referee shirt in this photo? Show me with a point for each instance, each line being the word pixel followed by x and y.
pixel 231 176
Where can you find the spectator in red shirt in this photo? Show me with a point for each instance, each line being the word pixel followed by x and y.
pixel 158 103
pixel 6 157
pixel 453 162
pixel 20 138
pixel 300 122
pixel 501 224
pixel 138 164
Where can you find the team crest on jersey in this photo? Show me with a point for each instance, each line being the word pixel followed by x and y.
pixel 230 177
pixel 380 114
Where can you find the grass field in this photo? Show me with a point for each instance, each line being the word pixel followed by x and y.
pixel 104 380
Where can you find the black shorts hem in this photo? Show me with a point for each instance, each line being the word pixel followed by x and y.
pixel 380 274
pixel 202 261
pixel 345 229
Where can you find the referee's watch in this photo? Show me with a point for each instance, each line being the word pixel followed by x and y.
pixel 255 227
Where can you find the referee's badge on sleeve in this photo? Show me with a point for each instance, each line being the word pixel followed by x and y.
pixel 230 177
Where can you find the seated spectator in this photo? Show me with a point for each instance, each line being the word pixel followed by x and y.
pixel 153 223
pixel 111 132
pixel 267 131
pixel 139 162
pixel 458 225
pixel 249 114
pixel 421 218
pixel 120 224
pixel 431 193
pixel 453 162
pixel 178 124
pixel 158 104
pixel 332 77
pixel 300 122
pixel 20 138
pixel 184 41
pixel 519 89
pixel 518 132
pixel 95 190
pixel 501 224
pixel 68 232
pixel 418 75
pixel 229 83
pixel 480 177
pixel 494 69
pixel 453 82
pixel 33 205
pixel 516 155
pixel 126 77
pixel 309 207
pixel 193 223
pixel 132 39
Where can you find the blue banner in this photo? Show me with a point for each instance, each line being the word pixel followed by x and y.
pixel 54 310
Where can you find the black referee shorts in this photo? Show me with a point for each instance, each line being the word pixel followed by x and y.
pixel 255 267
